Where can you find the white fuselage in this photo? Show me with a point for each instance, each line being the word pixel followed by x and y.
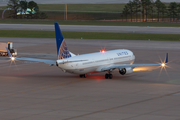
pixel 94 62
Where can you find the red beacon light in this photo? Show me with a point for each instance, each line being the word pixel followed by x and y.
pixel 102 51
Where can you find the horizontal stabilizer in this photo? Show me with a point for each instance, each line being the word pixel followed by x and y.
pixel 72 54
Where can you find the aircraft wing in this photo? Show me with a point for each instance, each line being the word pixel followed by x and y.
pixel 50 62
pixel 119 66
pixel 116 66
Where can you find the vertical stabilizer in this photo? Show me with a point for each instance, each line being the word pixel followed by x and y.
pixel 62 50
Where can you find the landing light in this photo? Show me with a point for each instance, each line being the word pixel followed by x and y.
pixel 12 58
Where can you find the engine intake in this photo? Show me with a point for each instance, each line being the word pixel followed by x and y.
pixel 124 71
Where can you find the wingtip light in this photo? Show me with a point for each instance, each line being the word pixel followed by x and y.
pixel 163 65
pixel 12 58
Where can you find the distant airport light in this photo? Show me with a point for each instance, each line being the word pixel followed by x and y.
pixel 25 12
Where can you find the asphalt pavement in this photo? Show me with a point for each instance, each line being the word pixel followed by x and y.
pixel 35 91
pixel 91 28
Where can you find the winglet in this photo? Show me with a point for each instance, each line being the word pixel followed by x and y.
pixel 9 54
pixel 166 58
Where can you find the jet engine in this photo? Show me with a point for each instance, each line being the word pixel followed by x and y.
pixel 124 71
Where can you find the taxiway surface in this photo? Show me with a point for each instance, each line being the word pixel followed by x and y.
pixel 31 90
pixel 91 28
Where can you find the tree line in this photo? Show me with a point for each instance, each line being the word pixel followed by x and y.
pixel 148 9
pixel 23 9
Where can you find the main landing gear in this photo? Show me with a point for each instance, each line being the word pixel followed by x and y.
pixel 82 76
pixel 110 76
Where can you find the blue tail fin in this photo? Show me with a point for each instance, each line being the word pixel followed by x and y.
pixel 62 50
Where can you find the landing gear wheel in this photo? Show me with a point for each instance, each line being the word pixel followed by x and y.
pixel 106 76
pixel 110 76
pixel 82 76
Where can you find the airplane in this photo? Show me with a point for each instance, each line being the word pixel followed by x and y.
pixel 103 61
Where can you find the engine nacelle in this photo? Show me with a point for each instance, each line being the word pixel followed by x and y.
pixel 124 71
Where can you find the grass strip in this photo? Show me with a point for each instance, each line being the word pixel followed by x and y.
pixel 81 7
pixel 90 35
pixel 99 23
